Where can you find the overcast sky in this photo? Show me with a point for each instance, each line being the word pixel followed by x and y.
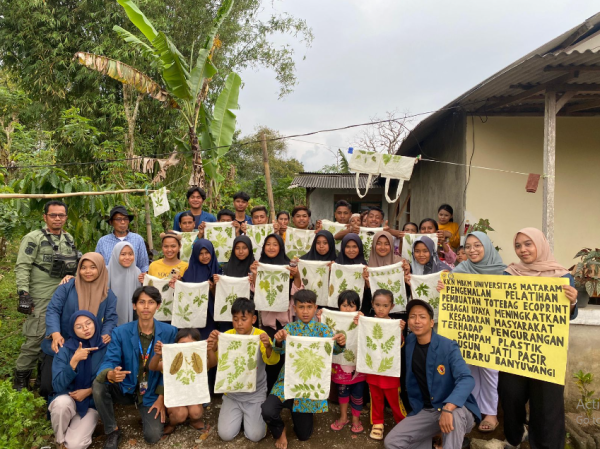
pixel 371 56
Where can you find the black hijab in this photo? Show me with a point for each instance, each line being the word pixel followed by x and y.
pixel 281 258
pixel 314 255
pixel 236 267
pixel 342 259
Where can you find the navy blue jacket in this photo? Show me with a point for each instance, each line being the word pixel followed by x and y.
pixel 123 350
pixel 449 379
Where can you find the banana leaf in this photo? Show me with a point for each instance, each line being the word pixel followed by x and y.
pixel 138 18
pixel 223 122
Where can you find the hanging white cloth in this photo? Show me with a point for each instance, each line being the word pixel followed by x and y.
pixel 379 342
pixel 190 306
pixel 345 277
pixel 364 162
pixel 343 322
pixel 227 290
pixel 257 235
pixel 185 374
pixel 165 311
pixel 390 277
pixel 396 167
pixel 315 277
pixel 307 367
pixel 298 241
pixel 238 361
pixel 425 287
pixel 272 288
pixel 160 202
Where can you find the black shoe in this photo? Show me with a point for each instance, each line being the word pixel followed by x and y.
pixel 466 444
pixel 38 378
pixel 112 440
pixel 21 380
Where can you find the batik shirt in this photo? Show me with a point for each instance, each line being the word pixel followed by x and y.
pixel 299 329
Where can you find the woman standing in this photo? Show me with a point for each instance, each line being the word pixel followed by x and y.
pixel 322 248
pixel 123 279
pixel 546 399
pixel 447 226
pixel 170 263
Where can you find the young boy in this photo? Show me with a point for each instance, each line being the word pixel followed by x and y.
pixel 225 215
pixel 305 307
pixel 240 203
pixel 260 215
pixel 238 408
pixel 461 256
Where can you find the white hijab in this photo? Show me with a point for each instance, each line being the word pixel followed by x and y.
pixel 123 282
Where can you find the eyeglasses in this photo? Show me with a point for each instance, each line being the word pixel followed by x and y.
pixel 54 216
pixel 121 220
pixel 475 247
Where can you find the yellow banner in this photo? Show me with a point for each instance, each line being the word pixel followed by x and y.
pixel 515 324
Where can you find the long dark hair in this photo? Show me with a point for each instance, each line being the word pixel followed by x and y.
pixel 448 209
pixel 435 224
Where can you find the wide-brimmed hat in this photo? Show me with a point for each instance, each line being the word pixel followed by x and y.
pixel 119 210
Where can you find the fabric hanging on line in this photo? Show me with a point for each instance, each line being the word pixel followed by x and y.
pixel 237 365
pixel 366 236
pixel 343 322
pixel 390 277
pixel 409 239
pixel 227 290
pixel 190 305
pixel 345 277
pixel 272 288
pixel 364 162
pixel 165 311
pixel 160 202
pixel 396 167
pixel 185 374
pixel 379 342
pixel 221 235
pixel 334 228
pixel 425 287
pixel 298 241
pixel 308 367
pixel 257 235
pixel 315 277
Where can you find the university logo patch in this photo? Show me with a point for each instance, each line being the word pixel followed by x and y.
pixel 441 369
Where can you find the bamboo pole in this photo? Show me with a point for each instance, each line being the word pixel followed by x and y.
pixel 148 223
pixel 263 143
pixel 549 166
pixel 48 196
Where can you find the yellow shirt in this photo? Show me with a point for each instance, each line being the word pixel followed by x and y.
pixel 161 270
pixel 453 228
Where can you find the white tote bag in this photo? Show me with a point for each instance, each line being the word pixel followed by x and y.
pixel 237 365
pixel 298 241
pixel 187 241
pixel 334 228
pixel 315 277
pixel 345 277
pixel 190 306
pixel 160 202
pixel 343 322
pixel 272 288
pixel 307 367
pixel 364 162
pixel 227 290
pixel 221 235
pixel 379 342
pixel 366 236
pixel 409 239
pixel 425 287
pixel 257 235
pixel 396 167
pixel 185 374
pixel 165 311
pixel 390 277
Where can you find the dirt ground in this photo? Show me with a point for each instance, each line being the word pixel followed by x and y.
pixel 323 437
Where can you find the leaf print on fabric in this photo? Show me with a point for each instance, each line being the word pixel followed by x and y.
pixel 185 380
pixel 165 311
pixel 273 289
pixel 385 365
pixel 390 277
pixel 308 367
pixel 343 322
pixel 221 235
pixel 345 277
pixel 227 290
pixel 388 345
pixel 237 363
pixel 410 239
pixel 315 277
pixel 190 304
pixel 425 287
pixel 378 346
pixel 308 364
pixel 377 332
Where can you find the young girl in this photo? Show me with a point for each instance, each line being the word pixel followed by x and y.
pixel 123 279
pixel 322 249
pixel 170 264
pixel 187 222
pixel 384 387
pixel 178 415
pixel 430 226
pixel 447 226
pixel 425 259
pixel 410 228
pixel 350 384
pixel 283 219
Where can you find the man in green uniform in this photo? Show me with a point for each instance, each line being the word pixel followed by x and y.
pixel 45 257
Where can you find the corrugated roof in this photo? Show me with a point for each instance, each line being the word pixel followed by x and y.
pixel 580 46
pixel 312 180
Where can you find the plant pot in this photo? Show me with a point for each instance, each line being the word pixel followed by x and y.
pixel 583 299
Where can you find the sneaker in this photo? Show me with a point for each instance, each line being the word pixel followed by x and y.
pixel 112 440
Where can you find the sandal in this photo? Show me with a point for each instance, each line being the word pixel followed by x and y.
pixel 377 432
pixel 203 429
pixel 357 428
pixel 338 425
pixel 491 427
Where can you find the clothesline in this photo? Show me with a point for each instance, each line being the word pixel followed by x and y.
pixel 480 167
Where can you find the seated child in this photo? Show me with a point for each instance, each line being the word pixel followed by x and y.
pixel 305 306
pixel 244 408
pixel 178 415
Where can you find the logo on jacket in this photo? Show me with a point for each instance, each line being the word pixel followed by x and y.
pixel 442 369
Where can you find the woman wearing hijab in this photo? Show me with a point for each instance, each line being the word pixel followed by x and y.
pixel 88 290
pixel 322 249
pixel 242 258
pixel 123 279
pixel 352 253
pixel 482 258
pixel 202 267
pixel 72 409
pixel 273 253
pixel 425 258
pixel 546 401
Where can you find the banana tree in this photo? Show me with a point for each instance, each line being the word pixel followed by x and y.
pixel 185 84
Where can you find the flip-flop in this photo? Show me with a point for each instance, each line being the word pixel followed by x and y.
pixel 337 425
pixel 203 429
pixel 488 424
pixel 357 428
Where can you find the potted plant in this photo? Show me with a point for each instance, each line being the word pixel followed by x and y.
pixel 587 275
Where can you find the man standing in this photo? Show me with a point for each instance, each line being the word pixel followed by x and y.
pixel 240 204
pixel 45 257
pixel 196 197
pixel 119 219
pixel 439 385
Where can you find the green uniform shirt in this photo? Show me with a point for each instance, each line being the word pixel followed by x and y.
pixel 35 248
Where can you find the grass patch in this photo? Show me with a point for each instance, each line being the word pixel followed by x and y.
pixel 10 320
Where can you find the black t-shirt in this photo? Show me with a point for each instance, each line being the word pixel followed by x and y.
pixel 419 368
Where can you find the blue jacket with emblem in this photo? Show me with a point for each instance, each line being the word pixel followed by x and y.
pixel 454 386
pixel 123 350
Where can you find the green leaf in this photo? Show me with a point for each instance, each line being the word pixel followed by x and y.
pixel 369 361
pixel 175 71
pixel 223 123
pixel 339 273
pixel 328 348
pixel 377 332
pixel 204 69
pixel 352 326
pixel 219 384
pixel 308 364
pixel 349 355
pixel 138 18
pixel 389 344
pixel 385 364
pixel 304 272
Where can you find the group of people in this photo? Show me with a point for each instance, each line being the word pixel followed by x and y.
pixel 91 333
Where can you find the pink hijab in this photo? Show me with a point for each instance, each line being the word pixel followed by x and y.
pixel 545 265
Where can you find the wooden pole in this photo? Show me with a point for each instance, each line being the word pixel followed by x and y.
pixel 549 166
pixel 48 196
pixel 263 143
pixel 148 223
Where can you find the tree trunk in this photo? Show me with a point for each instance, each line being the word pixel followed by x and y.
pixel 198 169
pixel 131 117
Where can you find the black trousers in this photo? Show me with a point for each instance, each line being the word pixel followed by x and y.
pixel 271 412
pixel 546 411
